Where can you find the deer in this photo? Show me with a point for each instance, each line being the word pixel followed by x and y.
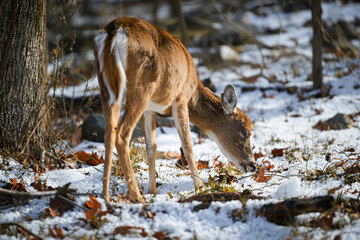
pixel 147 72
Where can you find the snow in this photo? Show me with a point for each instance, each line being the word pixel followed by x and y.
pixel 289 188
pixel 281 120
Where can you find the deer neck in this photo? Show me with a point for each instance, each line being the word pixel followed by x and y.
pixel 205 110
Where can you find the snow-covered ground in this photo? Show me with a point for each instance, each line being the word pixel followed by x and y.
pixel 282 120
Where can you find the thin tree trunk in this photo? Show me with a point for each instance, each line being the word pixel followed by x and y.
pixel 316 12
pixel 22 73
pixel 182 23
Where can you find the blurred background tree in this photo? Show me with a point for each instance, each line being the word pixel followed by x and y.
pixel 317 43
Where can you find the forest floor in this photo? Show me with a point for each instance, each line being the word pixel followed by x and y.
pixel 298 157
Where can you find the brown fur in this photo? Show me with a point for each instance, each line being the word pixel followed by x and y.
pixel 161 70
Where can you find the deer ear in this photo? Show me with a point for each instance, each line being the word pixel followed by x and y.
pixel 229 99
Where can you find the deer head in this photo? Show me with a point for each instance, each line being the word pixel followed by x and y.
pixel 232 132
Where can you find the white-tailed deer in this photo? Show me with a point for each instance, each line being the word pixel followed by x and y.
pixel 148 71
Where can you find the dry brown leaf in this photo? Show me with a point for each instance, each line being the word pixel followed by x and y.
pixel 260 176
pixel 170 195
pixel 124 230
pixel 202 164
pixel 95 208
pixel 57 234
pixel 278 152
pixel 159 235
pixel 258 155
pixel 17 186
pixel 90 159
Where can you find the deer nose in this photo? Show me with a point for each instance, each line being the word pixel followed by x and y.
pixel 251 167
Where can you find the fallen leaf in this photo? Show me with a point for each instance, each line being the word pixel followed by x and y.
pixel 95 207
pixel 17 186
pixel 202 164
pixel 56 233
pixel 350 150
pixel 258 155
pixel 278 152
pixel 170 195
pixel 41 185
pixel 55 204
pixel 332 191
pixel 159 235
pixel 267 165
pixel 260 176
pixel 318 111
pixel 124 230
pixel 90 159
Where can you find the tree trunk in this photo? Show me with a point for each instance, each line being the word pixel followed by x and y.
pixel 177 9
pixel 22 73
pixel 316 12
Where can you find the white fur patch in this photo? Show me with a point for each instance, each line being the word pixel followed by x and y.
pixel 119 47
pixel 100 44
pixel 155 107
pixel 148 129
pixel 99 40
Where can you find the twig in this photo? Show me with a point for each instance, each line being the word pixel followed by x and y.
pixel 7 206
pixel 73 203
pixel 241 178
pixel 277 175
pixel 67 145
pixel 22 227
pixel 52 156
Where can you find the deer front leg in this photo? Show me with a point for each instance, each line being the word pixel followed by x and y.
pixel 111 114
pixel 148 125
pixel 181 119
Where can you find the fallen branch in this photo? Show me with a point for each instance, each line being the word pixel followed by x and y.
pixel 208 198
pixel 284 212
pixel 20 226
pixel 60 191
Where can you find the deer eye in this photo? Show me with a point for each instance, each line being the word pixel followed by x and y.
pixel 244 133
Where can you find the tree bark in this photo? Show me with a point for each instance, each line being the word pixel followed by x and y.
pixel 316 12
pixel 22 73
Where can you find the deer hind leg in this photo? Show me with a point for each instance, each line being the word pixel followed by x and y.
pixel 148 125
pixel 181 119
pixel 134 109
pixel 111 114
